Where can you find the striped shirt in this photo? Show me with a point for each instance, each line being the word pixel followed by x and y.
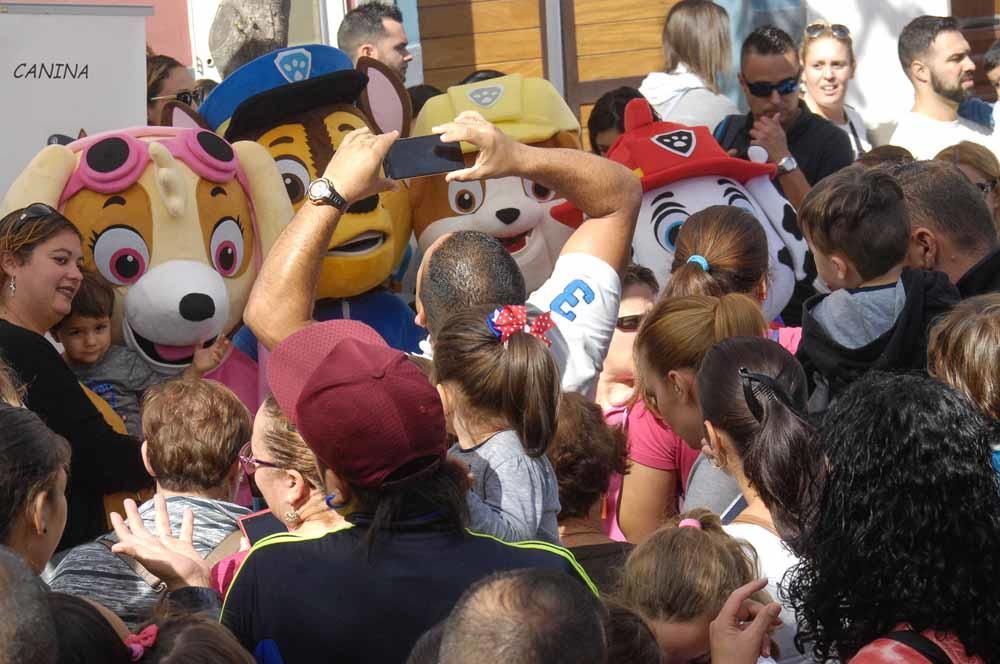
pixel 91 570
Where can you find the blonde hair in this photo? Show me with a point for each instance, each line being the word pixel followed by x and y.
pixel 679 574
pixel 827 33
pixel 974 156
pixel 286 446
pixel 963 348
pixel 696 34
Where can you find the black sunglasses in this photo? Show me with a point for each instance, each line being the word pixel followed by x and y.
pixel 629 323
pixel 838 30
pixel 189 97
pixel 35 211
pixel 986 187
pixel 764 88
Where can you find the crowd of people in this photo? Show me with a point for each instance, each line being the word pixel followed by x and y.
pixel 607 469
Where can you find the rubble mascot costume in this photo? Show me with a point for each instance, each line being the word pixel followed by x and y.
pixel 512 209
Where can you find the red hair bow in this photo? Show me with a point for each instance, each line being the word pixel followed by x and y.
pixel 138 644
pixel 511 319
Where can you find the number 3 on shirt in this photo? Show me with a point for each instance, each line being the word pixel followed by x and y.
pixel 569 299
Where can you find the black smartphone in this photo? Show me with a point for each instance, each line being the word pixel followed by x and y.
pixel 421 156
pixel 259 525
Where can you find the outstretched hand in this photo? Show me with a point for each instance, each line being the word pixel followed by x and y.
pixel 206 359
pixel 740 633
pixel 498 152
pixel 356 167
pixel 173 559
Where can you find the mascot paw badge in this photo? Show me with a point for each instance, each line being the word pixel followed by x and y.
pixel 514 210
pixel 178 220
pixel 299 103
pixel 683 170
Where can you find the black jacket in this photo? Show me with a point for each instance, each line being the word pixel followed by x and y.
pixel 982 278
pixel 831 367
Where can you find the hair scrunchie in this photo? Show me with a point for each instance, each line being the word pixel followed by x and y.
pixel 700 260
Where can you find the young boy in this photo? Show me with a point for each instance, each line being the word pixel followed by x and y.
pixel 878 312
pixel 115 373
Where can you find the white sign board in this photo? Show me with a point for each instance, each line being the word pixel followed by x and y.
pixel 64 68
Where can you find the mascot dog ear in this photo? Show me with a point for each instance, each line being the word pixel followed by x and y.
pixel 271 206
pixel 385 100
pixel 179 114
pixel 43 180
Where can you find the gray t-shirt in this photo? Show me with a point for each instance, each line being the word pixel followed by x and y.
pixel 709 487
pixel 514 497
pixel 120 378
pixel 856 317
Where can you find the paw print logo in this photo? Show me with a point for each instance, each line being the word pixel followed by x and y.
pixel 680 142
pixel 294 65
pixel 486 96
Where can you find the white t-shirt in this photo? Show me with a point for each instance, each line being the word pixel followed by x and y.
pixel 925 137
pixel 856 131
pixel 773 559
pixel 582 294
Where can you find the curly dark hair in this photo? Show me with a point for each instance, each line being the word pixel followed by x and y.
pixel 584 453
pixel 907 525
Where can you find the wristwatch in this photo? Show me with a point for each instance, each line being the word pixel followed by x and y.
pixel 787 165
pixel 321 192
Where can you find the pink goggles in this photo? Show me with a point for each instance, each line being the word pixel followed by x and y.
pixel 114 161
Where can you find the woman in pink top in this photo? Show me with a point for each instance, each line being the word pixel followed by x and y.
pixel 719 250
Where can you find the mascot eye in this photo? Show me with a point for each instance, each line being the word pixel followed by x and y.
pixel 227 246
pixel 295 175
pixel 465 197
pixel 121 255
pixel 667 227
pixel 537 191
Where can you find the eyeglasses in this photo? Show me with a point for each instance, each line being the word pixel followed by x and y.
pixel 838 30
pixel 629 323
pixel 764 88
pixel 250 463
pixel 189 97
pixel 986 187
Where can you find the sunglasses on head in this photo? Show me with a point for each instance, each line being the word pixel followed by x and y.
pixel 838 30
pixel 629 323
pixel 189 97
pixel 764 88
pixel 35 211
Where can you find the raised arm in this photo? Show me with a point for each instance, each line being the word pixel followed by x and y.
pixel 605 191
pixel 281 301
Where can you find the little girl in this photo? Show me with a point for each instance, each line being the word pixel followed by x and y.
pixel 500 389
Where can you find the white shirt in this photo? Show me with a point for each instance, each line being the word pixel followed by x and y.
pixel 773 560
pixel 925 137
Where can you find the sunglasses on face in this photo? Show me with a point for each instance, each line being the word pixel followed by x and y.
pixel 629 323
pixel 986 187
pixel 764 88
pixel 838 30
pixel 250 463
pixel 189 97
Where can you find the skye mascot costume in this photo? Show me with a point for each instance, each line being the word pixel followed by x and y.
pixel 514 210
pixel 684 170
pixel 299 103
pixel 178 220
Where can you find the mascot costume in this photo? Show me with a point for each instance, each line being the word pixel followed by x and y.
pixel 299 103
pixel 178 220
pixel 684 170
pixel 514 210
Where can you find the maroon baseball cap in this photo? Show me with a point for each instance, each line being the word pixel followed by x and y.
pixel 362 407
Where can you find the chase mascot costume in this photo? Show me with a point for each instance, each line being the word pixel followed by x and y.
pixel 299 103
pixel 512 209
pixel 179 221
pixel 684 170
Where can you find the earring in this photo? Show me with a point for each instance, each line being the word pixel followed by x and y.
pixel 12 285
pixel 291 516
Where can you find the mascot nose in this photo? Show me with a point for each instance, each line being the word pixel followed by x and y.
pixel 197 307
pixel 508 215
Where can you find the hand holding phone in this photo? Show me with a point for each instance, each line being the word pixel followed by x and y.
pixel 422 156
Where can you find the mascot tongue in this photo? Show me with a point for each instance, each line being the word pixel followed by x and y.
pixel 174 353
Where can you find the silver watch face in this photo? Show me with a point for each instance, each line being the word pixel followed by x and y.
pixel 320 190
pixel 787 164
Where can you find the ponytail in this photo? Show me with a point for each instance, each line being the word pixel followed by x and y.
pixel 515 381
pixel 721 249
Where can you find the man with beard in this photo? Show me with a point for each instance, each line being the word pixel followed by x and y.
pixel 937 59
pixel 805 147
pixel 375 30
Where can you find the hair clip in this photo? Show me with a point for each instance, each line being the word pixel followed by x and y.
pixel 700 260
pixel 138 644
pixel 510 319
pixel 689 523
pixel 770 387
